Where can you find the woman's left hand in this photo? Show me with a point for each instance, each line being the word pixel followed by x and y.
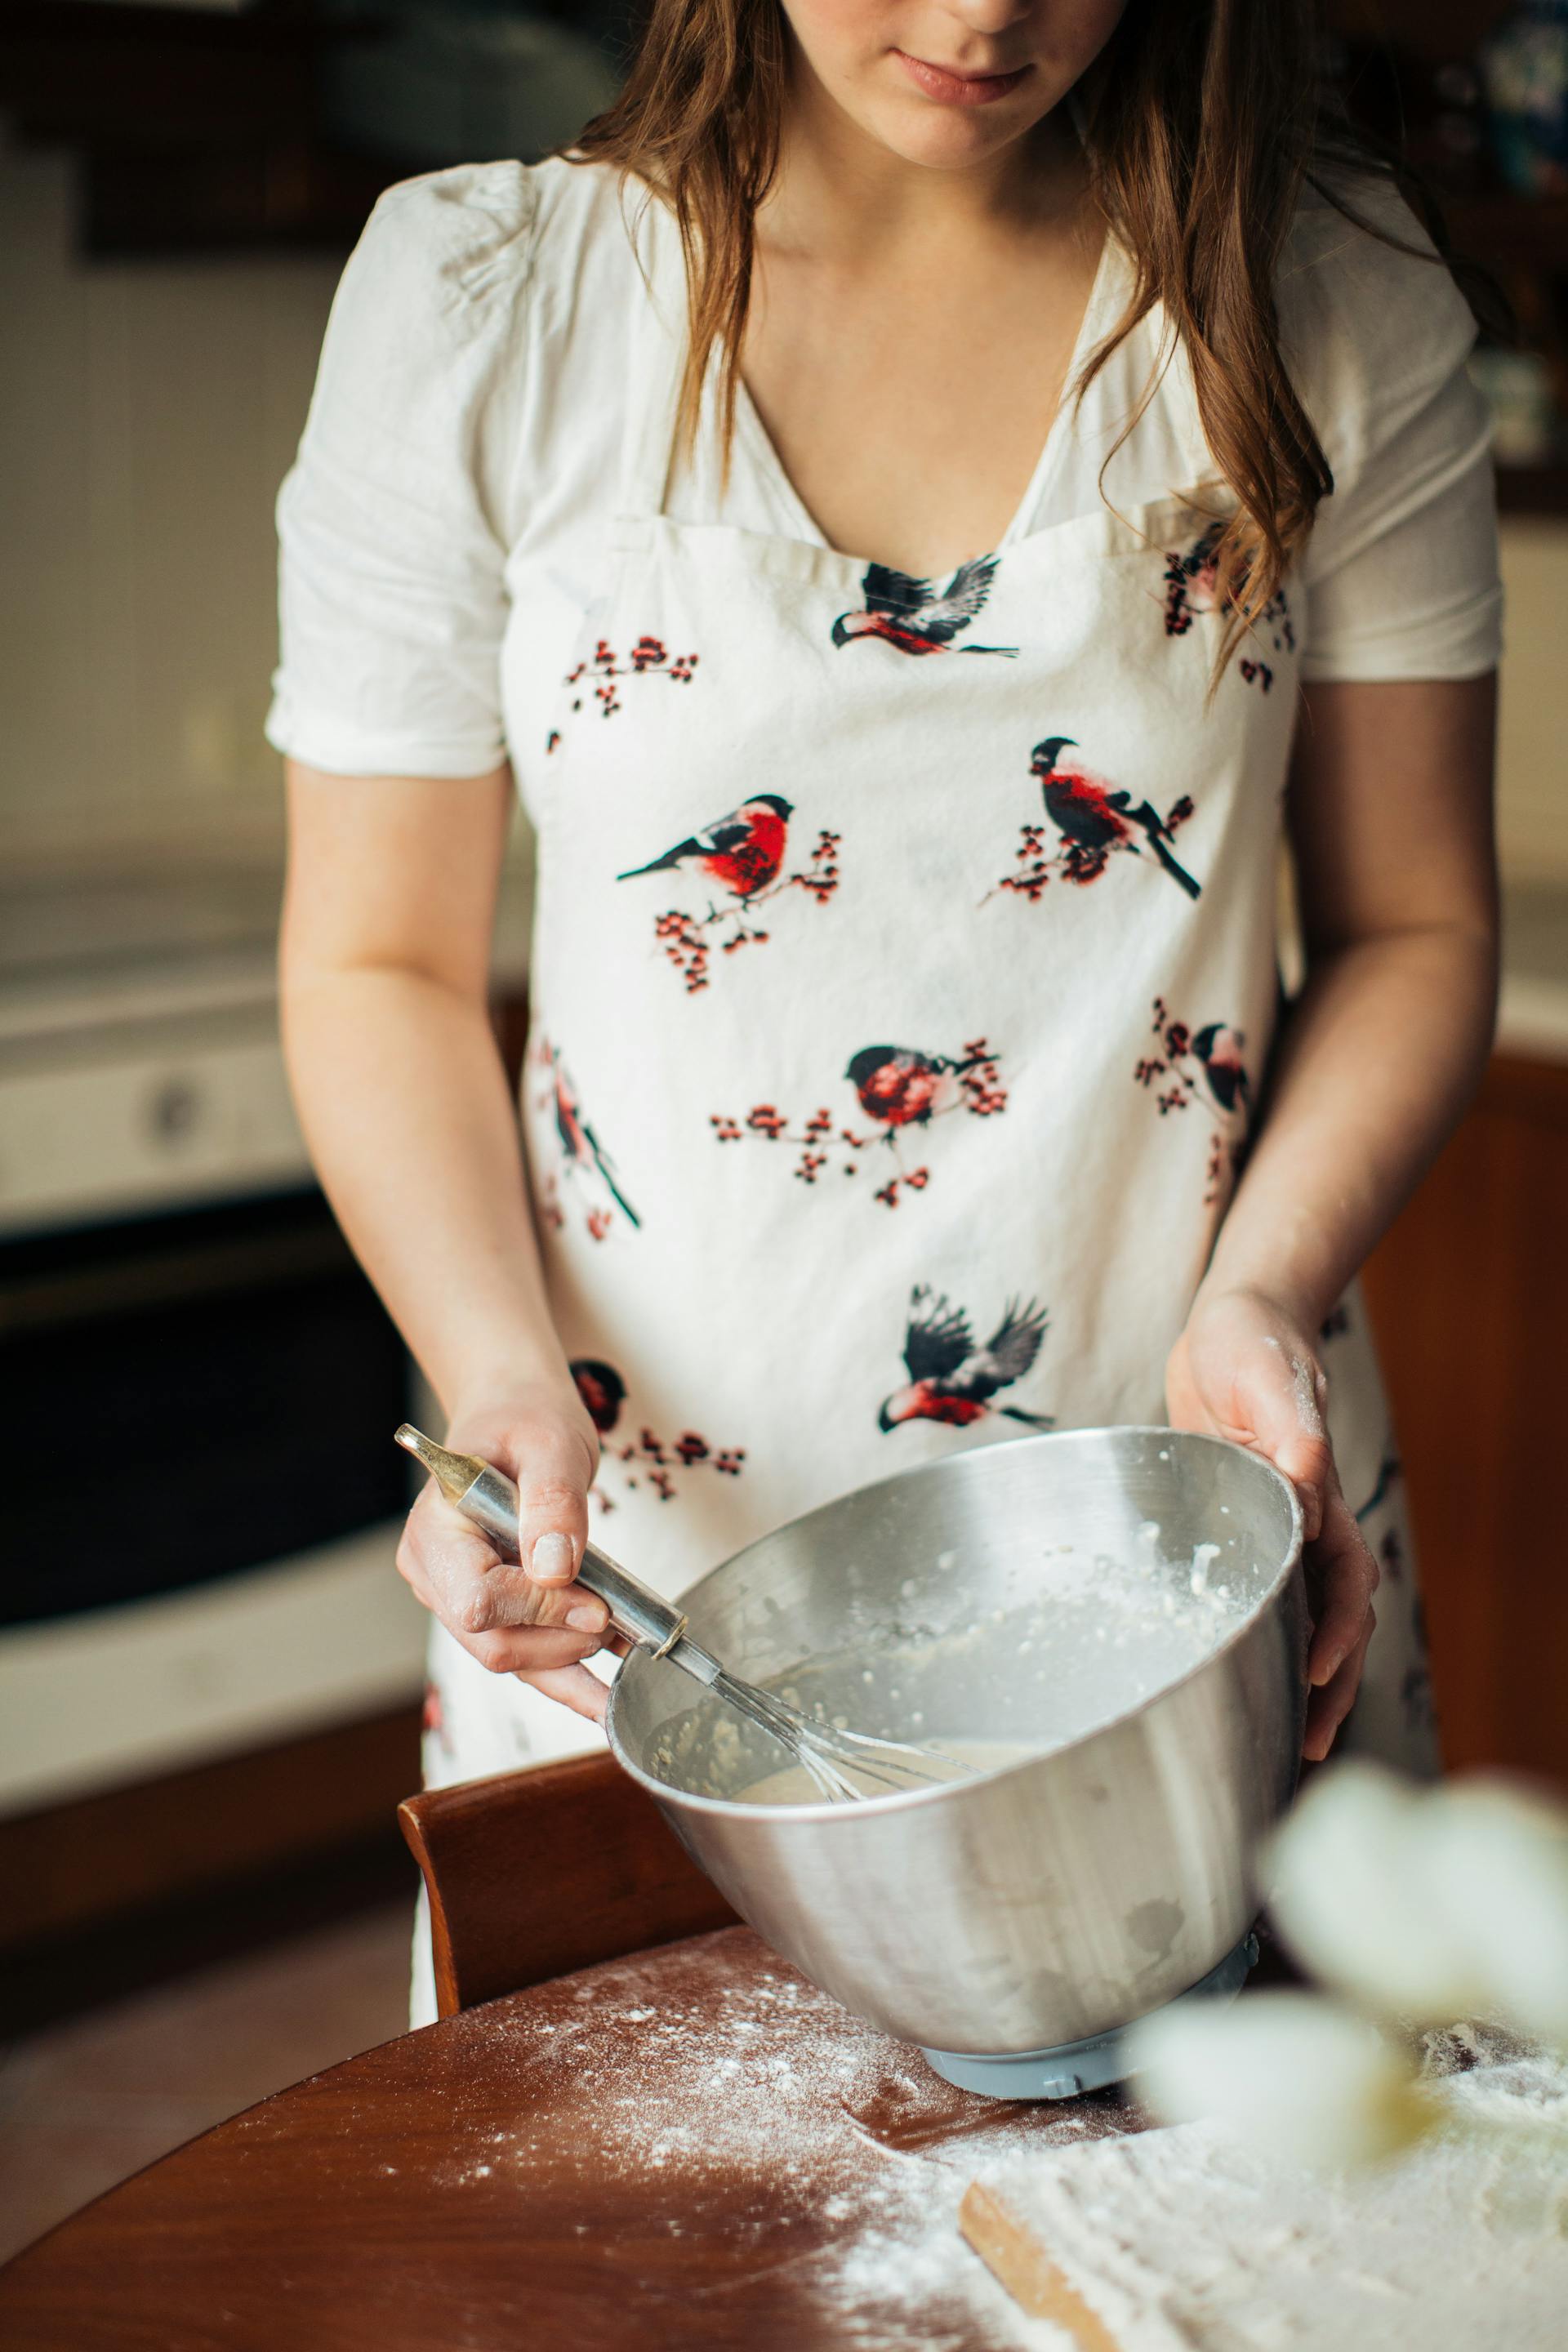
pixel 1245 1368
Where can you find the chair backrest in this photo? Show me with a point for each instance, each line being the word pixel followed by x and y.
pixel 534 1873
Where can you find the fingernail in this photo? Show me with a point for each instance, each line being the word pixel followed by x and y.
pixel 1329 1668
pixel 552 1556
pixel 588 1616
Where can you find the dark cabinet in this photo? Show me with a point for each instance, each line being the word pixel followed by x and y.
pixel 1470 1298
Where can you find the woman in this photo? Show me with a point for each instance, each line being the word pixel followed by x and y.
pixel 911 502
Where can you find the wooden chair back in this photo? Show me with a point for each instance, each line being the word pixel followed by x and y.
pixel 532 1874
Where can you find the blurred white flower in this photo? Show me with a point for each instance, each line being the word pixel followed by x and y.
pixel 1291 2073
pixel 1351 1896
pixel 1498 1860
pixel 1429 1904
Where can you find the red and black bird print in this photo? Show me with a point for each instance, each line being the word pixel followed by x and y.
pixel 602 1390
pixel 899 1087
pixel 953 1381
pixel 1219 1048
pixel 1192 580
pixel 742 851
pixel 917 617
pixel 1192 587
pixel 1094 819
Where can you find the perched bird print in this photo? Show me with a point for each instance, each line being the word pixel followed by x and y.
pixel 742 851
pixel 952 1380
pixel 580 1146
pixel 602 1390
pixel 1219 1049
pixel 1094 820
pixel 899 1087
pixel 916 615
pixel 1192 580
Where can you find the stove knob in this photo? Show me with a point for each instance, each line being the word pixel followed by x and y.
pixel 173 1112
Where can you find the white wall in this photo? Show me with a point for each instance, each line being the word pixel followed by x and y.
pixel 148 412
pixel 1532 747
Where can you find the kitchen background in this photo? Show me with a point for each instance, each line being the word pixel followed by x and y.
pixel 209 1674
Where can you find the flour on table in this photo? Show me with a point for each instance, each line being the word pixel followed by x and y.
pixel 756 2109
pixel 1181 2241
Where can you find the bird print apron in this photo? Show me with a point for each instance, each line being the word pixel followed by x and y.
pixel 903 980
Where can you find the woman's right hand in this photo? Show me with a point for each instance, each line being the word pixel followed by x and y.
pixel 530 1619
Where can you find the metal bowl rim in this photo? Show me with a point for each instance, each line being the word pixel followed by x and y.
pixel 896 1799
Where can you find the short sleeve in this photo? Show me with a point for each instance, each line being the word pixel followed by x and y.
pixel 392 593
pixel 1400 576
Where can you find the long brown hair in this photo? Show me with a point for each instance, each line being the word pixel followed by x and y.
pixel 1202 122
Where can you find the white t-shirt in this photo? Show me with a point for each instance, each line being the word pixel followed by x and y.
pixel 461 456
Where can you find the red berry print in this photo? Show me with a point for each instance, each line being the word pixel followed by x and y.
pixel 648 657
pixel 1189 1069
pixel 1089 821
pixel 900 1091
pixel 646 1460
pixel 1192 589
pixel 742 856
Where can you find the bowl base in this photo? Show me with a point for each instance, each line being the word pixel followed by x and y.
pixel 1075 2066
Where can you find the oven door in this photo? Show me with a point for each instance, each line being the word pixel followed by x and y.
pixel 204 1496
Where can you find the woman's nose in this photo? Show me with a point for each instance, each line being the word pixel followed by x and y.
pixel 991 17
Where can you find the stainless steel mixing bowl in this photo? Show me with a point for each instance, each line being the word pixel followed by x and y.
pixel 1056 1899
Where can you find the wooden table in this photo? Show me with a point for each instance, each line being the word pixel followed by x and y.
pixel 692 2147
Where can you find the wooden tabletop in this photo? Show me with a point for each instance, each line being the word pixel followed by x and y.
pixel 691 2147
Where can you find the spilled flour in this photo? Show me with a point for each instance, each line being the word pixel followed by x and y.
pixel 737 2137
pixel 1178 2241
pixel 718 2140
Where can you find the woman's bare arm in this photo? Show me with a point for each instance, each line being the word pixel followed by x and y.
pixel 1391 818
pixel 388 915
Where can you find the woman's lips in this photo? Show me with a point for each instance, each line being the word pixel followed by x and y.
pixel 956 89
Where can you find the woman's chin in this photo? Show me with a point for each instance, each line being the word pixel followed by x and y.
pixel 946 139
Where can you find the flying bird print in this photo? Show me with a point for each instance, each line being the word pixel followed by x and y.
pixel 951 1378
pixel 899 1087
pixel 742 851
pixel 1094 820
pixel 917 617
pixel 1219 1048
pixel 580 1146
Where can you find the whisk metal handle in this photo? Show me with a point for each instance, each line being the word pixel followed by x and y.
pixel 641 1615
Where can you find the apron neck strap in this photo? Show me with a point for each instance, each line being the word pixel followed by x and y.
pixel 657 359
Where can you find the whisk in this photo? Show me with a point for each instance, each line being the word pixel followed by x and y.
pixel 488 1499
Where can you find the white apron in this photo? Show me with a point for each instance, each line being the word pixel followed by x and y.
pixel 902 988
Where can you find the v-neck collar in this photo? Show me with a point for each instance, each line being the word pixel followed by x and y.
pixel 760 445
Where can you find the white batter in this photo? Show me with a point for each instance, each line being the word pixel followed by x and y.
pixel 794 1785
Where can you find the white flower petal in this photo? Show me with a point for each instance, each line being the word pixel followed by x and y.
pixel 1353 1896
pixel 1497 1864
pixel 1291 2073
